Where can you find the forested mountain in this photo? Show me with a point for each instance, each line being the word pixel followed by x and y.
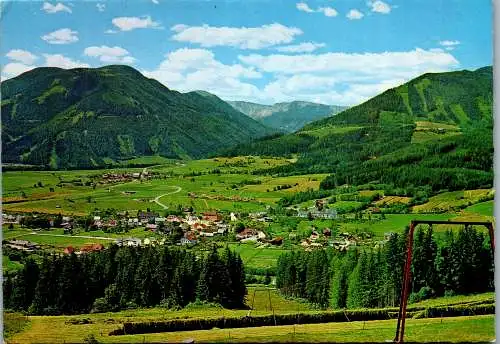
pixel 434 130
pixel 287 117
pixel 89 117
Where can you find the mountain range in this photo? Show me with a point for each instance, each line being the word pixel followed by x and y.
pixel 84 117
pixel 287 117
pixel 435 130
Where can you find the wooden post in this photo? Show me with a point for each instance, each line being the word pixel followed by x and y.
pixel 405 289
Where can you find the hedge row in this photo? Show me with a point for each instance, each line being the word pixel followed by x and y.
pixel 299 318
pixel 456 311
pixel 252 321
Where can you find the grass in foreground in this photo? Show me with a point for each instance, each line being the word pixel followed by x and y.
pixel 460 329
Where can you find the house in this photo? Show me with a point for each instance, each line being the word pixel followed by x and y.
pixel 189 238
pixel 128 242
pixel 222 228
pixel 191 220
pixel 160 220
pixel 199 227
pixel 133 221
pixel 136 175
pixel 233 217
pixel 69 250
pixel 209 231
pixel 151 227
pixel 111 223
pixel 246 233
pixel 327 232
pixel 212 216
pixel 318 213
pixel 22 245
pixel 97 218
pixel 173 218
pixel 148 216
pixel 11 218
pixel 91 248
pixel 314 236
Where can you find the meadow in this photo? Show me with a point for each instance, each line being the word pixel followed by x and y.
pixel 260 301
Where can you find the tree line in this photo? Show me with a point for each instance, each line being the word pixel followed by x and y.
pixel 125 277
pixel 460 263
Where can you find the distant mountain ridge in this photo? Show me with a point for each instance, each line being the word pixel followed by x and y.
pixel 87 117
pixel 287 116
pixel 434 130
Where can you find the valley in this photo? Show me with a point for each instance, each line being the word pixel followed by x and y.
pixel 292 233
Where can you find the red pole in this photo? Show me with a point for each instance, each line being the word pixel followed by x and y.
pixel 400 330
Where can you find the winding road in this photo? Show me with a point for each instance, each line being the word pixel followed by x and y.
pixel 157 199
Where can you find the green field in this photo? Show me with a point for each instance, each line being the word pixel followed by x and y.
pixel 229 190
pixel 448 200
pixel 255 257
pixel 48 329
pixel 484 208
pixel 9 265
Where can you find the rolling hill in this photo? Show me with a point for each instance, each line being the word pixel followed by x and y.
pixel 80 118
pixel 434 130
pixel 287 117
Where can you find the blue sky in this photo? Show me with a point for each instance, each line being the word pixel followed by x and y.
pixel 329 51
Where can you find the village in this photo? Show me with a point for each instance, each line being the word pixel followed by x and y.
pixel 186 228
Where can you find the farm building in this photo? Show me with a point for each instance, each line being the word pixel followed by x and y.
pixel 22 245
pixel 212 216
pixel 91 248
pixel 315 213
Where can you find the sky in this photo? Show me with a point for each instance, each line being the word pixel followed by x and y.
pixel 340 52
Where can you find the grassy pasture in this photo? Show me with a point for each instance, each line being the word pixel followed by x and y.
pixel 459 329
pixel 483 208
pixel 456 299
pixel 448 200
pixel 255 257
pixel 48 329
pixel 214 191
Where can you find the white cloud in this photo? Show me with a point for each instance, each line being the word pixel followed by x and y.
pixel 243 37
pixel 61 36
pixel 13 69
pixel 26 63
pixel 197 69
pixel 22 56
pixel 101 7
pixel 328 11
pixel 449 45
pixel 354 14
pixel 61 61
pixel 110 54
pixel 302 6
pixel 49 8
pixel 132 23
pixel 110 31
pixel 306 47
pixel 379 6
pixel 156 2
pixel 343 78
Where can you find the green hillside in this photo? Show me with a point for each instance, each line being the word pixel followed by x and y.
pixel 287 117
pixel 434 130
pixel 90 117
